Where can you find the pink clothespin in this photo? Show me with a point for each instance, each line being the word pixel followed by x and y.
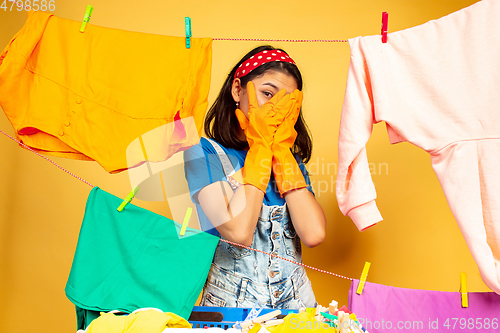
pixel 385 22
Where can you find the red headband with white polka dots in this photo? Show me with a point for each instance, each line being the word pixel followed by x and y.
pixel 261 58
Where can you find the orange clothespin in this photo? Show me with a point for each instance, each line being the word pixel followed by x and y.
pixel 463 290
pixel 385 22
pixel 363 277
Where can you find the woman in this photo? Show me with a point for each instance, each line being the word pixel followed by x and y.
pixel 251 187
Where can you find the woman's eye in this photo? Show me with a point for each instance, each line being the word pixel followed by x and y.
pixel 268 94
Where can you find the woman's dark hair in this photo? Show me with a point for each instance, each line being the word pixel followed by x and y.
pixel 221 123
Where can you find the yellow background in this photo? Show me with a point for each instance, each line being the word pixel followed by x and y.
pixel 418 245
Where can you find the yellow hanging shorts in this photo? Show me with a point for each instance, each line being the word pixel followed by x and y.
pixel 89 95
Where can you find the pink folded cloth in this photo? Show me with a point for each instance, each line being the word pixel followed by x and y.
pixel 382 308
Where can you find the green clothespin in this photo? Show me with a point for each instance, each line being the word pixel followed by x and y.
pixel 188 32
pixel 86 19
pixel 129 198
pixel 186 221
pixel 329 316
pixel 332 319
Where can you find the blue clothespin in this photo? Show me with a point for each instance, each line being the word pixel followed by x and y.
pixel 86 18
pixel 129 198
pixel 188 32
pixel 252 315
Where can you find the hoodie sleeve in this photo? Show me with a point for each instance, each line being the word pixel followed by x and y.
pixel 354 188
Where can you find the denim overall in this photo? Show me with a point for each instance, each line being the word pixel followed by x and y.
pixel 239 277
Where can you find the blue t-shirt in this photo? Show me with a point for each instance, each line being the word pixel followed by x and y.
pixel 203 167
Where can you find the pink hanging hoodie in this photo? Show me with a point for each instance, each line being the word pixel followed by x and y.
pixel 436 86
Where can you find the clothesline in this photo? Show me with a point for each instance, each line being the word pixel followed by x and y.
pixel 293 262
pixel 57 165
pixel 285 40
pixel 268 40
pixel 223 240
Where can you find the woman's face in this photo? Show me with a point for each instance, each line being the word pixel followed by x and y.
pixel 266 86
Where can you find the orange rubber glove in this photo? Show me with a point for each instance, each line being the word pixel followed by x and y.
pixel 286 169
pixel 259 128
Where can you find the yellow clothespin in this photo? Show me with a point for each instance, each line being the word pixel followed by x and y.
pixel 255 328
pixel 363 277
pixel 129 198
pixel 463 289
pixel 86 18
pixel 186 221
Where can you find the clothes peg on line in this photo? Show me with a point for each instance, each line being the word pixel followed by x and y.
pixel 385 22
pixel 129 198
pixel 186 221
pixel 363 277
pixel 86 18
pixel 463 290
pixel 187 21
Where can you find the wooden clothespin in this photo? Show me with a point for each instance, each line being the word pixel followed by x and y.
pixel 385 22
pixel 129 198
pixel 463 290
pixel 344 322
pixel 333 306
pixel 317 314
pixel 363 277
pixel 261 319
pixel 86 18
pixel 186 221
pixel 187 21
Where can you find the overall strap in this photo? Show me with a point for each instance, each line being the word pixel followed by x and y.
pixel 227 165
